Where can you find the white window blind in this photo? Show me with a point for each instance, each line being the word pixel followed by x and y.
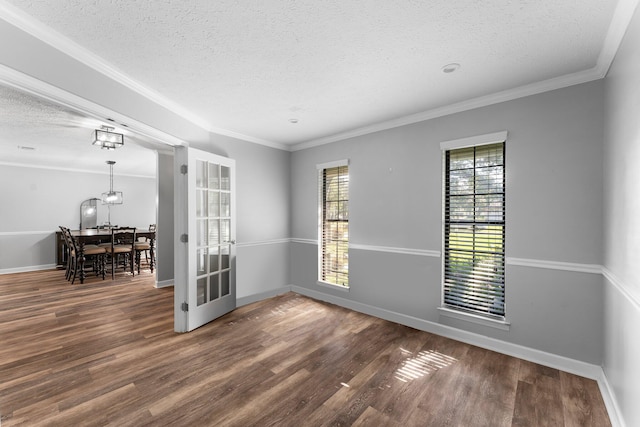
pixel 334 224
pixel 474 229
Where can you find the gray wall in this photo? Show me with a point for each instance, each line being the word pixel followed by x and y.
pixel 35 201
pixel 263 213
pixel 622 226
pixel 554 215
pixel 164 235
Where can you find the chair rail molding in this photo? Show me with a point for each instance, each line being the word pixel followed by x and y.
pixel 26 233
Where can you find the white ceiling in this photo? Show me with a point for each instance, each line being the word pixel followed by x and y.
pixel 339 67
pixel 36 132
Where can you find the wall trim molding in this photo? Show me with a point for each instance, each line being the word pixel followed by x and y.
pixel 521 262
pixel 54 94
pixel 53 38
pixel 560 82
pixel 25 233
pixel 538 356
pixel 164 283
pixel 304 241
pixel 390 249
pixel 250 299
pixel 27 269
pixel 617 28
pixel 555 265
pixel 621 287
pixel 86 57
pixel 263 242
pixel 610 401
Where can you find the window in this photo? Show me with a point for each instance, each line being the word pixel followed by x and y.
pixel 474 226
pixel 333 180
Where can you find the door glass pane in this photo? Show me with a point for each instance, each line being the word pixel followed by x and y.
pixel 225 230
pixel 201 203
pixel 201 173
pixel 225 204
pixel 201 231
pixel 214 234
pixel 201 290
pixel 213 287
pixel 213 259
pixel 214 176
pixel 224 283
pixel 214 203
pixel 224 256
pixel 202 261
pixel 225 178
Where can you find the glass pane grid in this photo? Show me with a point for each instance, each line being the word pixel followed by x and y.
pixel 213 227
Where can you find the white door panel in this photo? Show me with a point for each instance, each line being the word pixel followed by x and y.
pixel 205 252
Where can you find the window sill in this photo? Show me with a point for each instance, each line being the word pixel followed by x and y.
pixel 473 318
pixel 332 286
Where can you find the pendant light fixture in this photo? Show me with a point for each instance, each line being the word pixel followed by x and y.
pixel 111 197
pixel 106 139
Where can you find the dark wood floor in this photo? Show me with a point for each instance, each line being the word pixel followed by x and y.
pixel 104 353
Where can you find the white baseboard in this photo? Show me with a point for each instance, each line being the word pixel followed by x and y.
pixel 262 296
pixel 164 283
pixel 566 364
pixel 28 268
pixel 615 415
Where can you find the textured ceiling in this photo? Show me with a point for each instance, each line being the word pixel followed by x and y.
pixel 249 67
pixel 38 133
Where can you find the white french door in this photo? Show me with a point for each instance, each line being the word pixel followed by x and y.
pixel 205 280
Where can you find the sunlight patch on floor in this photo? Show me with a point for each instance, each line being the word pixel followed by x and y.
pixel 424 363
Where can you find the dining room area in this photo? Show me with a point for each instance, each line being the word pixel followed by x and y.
pixel 64 170
pixel 101 251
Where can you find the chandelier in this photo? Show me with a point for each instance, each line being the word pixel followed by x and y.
pixel 111 197
pixel 106 139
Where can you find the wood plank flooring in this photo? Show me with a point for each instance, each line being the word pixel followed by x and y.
pixel 104 353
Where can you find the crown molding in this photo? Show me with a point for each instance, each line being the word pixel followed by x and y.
pixel 41 89
pixel 62 43
pixel 67 46
pixel 248 138
pixel 622 16
pixel 617 28
pixel 470 104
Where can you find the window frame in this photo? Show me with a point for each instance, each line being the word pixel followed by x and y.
pixel 321 168
pixel 450 310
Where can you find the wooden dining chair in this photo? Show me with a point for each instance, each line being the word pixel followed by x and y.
pixel 145 246
pixel 121 249
pixel 93 257
pixel 69 253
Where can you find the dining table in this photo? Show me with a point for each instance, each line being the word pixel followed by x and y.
pixel 103 235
